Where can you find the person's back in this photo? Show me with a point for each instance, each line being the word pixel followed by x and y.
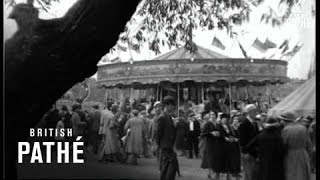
pixel 295 136
pixel 67 120
pixel 95 120
pixel 297 161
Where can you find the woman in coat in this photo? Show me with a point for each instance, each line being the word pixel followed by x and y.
pixel 235 155
pixel 212 158
pixel 134 141
pixel 202 142
pixel 230 148
pixel 271 151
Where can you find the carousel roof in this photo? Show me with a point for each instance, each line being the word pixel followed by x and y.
pixel 183 53
pixel 203 66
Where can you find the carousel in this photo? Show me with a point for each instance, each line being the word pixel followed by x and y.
pixel 197 76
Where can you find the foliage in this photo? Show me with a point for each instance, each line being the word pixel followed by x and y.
pixel 178 18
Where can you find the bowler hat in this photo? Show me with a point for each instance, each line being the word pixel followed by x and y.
pixel 287 116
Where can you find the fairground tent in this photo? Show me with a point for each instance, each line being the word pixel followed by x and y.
pixel 302 101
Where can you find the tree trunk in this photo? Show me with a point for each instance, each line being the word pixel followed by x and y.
pixel 41 65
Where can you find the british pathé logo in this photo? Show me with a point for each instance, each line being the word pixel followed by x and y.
pixel 63 149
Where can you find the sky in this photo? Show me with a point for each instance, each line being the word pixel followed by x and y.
pixel 300 28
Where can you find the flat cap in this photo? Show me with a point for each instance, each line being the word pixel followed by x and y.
pixel 169 100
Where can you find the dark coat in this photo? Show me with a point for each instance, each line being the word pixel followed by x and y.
pixel 271 151
pixel 231 151
pixel 166 131
pixel 52 118
pixel 182 135
pixel 213 154
pixel 247 132
pixel 235 157
pixel 194 135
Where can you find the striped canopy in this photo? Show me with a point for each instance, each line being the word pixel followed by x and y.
pixel 302 101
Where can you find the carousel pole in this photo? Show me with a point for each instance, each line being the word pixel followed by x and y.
pixel 230 97
pixel 157 97
pixel 202 92
pixel 178 98
pixel 160 93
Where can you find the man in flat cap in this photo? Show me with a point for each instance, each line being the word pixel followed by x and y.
pixel 297 141
pixel 248 130
pixel 165 138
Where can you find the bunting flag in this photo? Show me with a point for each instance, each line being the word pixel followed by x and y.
pixel 285 46
pixel 269 44
pixel 259 45
pixel 295 49
pixel 121 48
pixel 272 56
pixel 285 43
pixel 242 50
pixel 285 49
pixel 293 52
pixel 216 42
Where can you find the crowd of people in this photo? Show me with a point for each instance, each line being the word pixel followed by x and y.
pixel 249 141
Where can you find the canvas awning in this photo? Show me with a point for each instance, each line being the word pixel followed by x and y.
pixel 302 101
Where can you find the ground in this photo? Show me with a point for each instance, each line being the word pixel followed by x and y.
pixel 92 169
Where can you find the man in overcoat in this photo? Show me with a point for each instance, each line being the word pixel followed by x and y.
pixel 165 138
pixel 248 130
pixel 298 147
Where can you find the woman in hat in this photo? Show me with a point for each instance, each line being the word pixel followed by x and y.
pixel 235 155
pixel 213 154
pixel 271 151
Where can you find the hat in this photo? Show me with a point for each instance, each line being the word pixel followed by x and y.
pixel 287 116
pixel 114 107
pixel 191 114
pixel 135 112
pixel 234 111
pixel 169 100
pixel 96 106
pixel 263 114
pixel 224 115
pixel 157 104
pixel 250 107
pixel 271 120
pixel 64 108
